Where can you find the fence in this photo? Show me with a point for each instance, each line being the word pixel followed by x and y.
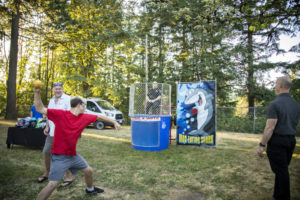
pixel 241 119
pixel 142 93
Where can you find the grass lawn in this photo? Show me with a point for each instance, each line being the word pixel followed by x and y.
pixel 232 170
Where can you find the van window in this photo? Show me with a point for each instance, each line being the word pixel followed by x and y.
pixel 92 107
pixel 105 105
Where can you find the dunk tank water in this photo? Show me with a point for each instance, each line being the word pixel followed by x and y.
pixel 150 133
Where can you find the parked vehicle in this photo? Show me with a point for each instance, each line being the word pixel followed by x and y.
pixel 103 107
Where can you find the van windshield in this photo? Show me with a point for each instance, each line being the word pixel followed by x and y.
pixel 105 105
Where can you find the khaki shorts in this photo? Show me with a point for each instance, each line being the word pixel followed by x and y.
pixel 48 145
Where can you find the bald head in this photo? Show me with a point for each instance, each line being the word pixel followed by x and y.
pixel 283 84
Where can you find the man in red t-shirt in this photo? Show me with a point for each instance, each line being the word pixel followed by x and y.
pixel 68 127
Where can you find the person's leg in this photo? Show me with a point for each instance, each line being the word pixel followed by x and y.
pixel 47 164
pixel 156 107
pixel 79 163
pixel 277 154
pixel 148 106
pixel 47 160
pixel 47 191
pixel 291 148
pixel 68 178
pixel 59 166
pixel 88 176
pixel 68 175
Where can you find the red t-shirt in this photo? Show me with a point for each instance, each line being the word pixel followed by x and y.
pixel 68 128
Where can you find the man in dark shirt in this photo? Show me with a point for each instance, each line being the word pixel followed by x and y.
pixel 279 134
pixel 153 99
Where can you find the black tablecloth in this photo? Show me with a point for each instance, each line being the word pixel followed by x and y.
pixel 33 137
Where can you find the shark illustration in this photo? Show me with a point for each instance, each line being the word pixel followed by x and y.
pixel 202 110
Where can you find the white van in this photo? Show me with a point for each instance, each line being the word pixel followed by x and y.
pixel 103 107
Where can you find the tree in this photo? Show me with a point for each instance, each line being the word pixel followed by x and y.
pixel 190 37
pixel 13 9
pixel 260 23
pixel 11 111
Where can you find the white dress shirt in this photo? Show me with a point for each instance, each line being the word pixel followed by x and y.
pixel 63 103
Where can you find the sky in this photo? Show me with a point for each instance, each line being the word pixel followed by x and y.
pixel 286 42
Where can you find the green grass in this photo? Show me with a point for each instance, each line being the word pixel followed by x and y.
pixel 232 170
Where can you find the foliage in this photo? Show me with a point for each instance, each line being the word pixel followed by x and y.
pixel 97 48
pixel 295 90
pixel 2 99
pixel 239 120
pixel 259 24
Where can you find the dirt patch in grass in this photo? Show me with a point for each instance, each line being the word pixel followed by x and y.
pixel 183 194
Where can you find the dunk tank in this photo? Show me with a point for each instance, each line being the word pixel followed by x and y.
pixel 150 114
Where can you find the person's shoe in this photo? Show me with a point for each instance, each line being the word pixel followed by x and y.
pixel 42 179
pixel 66 183
pixel 95 191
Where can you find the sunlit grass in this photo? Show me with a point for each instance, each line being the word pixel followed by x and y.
pixel 232 170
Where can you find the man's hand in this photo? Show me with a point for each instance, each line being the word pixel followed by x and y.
pixel 46 131
pixel 117 126
pixel 260 151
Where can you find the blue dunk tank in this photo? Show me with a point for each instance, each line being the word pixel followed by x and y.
pixel 150 114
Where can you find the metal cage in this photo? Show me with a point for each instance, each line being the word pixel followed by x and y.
pixel 144 99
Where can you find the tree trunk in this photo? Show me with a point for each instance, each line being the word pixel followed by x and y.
pixel 39 72
pixel 11 109
pixel 44 97
pixel 48 77
pixel 160 46
pixel 250 80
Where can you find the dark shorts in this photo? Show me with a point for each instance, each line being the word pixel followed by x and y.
pixel 61 163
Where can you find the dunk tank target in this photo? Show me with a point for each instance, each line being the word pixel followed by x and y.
pixel 150 113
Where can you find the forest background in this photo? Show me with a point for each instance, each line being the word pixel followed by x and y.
pixel 97 48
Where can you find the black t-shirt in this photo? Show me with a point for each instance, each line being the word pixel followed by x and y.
pixel 154 93
pixel 287 111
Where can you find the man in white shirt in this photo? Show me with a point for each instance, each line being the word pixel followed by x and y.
pixel 59 101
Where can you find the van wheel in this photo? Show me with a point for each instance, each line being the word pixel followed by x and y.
pixel 99 125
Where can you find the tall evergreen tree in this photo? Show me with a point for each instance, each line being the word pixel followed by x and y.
pixel 259 24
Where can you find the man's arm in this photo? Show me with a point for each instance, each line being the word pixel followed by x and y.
pixel 147 97
pixel 103 118
pixel 31 112
pixel 270 126
pixel 158 98
pixel 38 101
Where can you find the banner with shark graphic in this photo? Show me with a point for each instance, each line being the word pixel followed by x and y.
pixel 196 120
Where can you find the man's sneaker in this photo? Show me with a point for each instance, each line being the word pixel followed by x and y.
pixel 95 191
